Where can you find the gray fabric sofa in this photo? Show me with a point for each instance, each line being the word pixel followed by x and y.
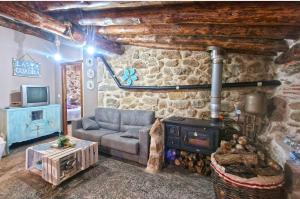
pixel 113 124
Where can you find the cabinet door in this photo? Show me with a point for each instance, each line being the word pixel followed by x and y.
pixel 53 119
pixel 18 124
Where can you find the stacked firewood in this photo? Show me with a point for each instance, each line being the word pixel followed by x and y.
pixel 242 158
pixel 194 162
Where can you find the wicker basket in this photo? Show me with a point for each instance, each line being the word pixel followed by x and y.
pixel 227 186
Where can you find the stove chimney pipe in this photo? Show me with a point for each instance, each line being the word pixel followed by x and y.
pixel 216 82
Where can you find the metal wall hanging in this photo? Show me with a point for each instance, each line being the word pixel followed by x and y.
pixel 26 68
pixel 90 84
pixel 90 73
pixel 89 62
pixel 129 76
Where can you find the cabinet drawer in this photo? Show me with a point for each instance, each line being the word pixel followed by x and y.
pixel 173 142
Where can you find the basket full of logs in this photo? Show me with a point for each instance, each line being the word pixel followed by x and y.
pixel 241 170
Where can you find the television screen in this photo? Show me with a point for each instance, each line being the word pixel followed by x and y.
pixel 37 94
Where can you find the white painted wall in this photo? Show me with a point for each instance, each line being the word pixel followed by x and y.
pixel 70 53
pixel 14 44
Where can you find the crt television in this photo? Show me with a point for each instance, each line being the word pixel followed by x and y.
pixel 35 95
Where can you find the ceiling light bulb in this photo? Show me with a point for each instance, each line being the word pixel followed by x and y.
pixel 57 57
pixel 90 50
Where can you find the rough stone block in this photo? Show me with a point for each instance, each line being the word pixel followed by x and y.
pixel 190 62
pixel 171 54
pixel 295 116
pixel 295 106
pixel 180 104
pixel 198 104
pixel 171 63
pixel 176 95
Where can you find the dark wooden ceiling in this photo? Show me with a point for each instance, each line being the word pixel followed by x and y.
pixel 246 27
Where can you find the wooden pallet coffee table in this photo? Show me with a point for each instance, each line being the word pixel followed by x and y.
pixel 55 165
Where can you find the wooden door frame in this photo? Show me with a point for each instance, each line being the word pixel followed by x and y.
pixel 64 91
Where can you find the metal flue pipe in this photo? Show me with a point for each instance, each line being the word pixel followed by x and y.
pixel 216 82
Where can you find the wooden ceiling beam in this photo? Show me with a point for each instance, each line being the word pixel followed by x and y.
pixel 26 30
pixel 261 45
pixel 196 48
pixel 28 16
pixel 293 54
pixel 240 13
pixel 99 5
pixel 268 32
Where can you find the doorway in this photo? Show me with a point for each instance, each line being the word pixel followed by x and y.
pixel 72 94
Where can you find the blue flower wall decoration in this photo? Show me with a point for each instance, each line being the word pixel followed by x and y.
pixel 129 76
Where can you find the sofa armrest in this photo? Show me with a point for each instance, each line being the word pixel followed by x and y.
pixel 76 124
pixel 144 139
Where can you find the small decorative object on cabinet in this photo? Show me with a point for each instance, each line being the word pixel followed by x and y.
pixel 22 124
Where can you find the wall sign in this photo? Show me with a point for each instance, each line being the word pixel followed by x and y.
pixel 24 68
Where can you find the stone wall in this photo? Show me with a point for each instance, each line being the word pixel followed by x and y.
pixel 73 84
pixel 165 67
pixel 284 112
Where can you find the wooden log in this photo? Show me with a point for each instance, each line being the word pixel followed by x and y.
pixel 253 31
pixel 26 30
pixel 177 162
pixel 109 22
pixel 228 159
pixel 50 6
pixel 246 13
pixel 293 54
pixel 226 43
pixel 28 16
pixel 198 48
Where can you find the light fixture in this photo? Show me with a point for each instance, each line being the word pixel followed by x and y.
pixel 90 50
pixel 57 56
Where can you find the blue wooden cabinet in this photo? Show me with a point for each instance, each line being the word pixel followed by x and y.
pixel 22 124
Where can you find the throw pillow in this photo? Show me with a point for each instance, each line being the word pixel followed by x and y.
pixel 131 133
pixel 89 124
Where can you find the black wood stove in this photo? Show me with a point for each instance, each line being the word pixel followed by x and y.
pixel 193 135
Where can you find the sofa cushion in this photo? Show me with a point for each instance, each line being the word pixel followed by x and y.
pixel 92 135
pixel 89 124
pixel 108 118
pixel 131 133
pixel 115 141
pixel 136 119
